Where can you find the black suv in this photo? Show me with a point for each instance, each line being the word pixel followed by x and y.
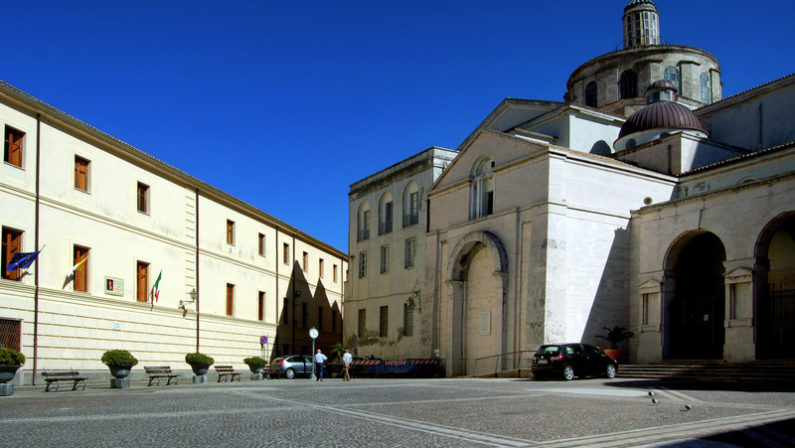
pixel 568 360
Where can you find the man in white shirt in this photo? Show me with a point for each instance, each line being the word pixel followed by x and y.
pixel 347 359
pixel 320 358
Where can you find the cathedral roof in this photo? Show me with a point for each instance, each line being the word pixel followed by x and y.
pixel 662 114
pixel 634 3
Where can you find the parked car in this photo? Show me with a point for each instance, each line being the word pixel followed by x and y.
pixel 568 360
pixel 291 366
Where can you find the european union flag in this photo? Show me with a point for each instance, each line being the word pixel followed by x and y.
pixel 22 260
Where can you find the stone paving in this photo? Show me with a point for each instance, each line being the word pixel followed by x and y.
pixel 398 413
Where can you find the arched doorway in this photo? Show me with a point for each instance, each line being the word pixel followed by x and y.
pixel 774 283
pixel 696 308
pixel 478 277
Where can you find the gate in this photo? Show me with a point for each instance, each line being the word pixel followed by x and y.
pixel 777 324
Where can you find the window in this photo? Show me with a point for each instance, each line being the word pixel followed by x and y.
pixel 80 268
pixel 481 199
pixel 733 301
pixel 11 334
pixel 285 309
pixel 408 320
pixel 364 222
pixel 385 214
pixel 261 306
pixel 706 88
pixel 305 262
pixel 230 232
pixel 320 268
pixel 143 198
pixel 304 316
pixel 142 285
pixel 12 147
pixel 628 84
pixel 334 273
pixel 12 243
pixel 81 173
pixel 590 94
pixel 261 245
pixel 383 322
pixel 409 253
pixel 286 253
pixel 672 74
pixel 411 205
pixel 320 318
pixel 645 310
pixel 362 328
pixel 362 264
pixel 230 299
pixel 384 259
pixel 334 316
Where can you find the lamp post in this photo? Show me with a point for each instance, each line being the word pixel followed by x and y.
pixel 313 334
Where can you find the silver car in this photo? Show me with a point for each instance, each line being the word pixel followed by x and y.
pixel 291 366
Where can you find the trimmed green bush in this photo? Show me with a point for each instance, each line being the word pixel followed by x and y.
pixel 255 362
pixel 118 358
pixel 11 357
pixel 199 359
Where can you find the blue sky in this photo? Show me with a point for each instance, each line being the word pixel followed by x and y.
pixel 284 104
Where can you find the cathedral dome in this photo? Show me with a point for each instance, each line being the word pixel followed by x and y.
pixel 662 115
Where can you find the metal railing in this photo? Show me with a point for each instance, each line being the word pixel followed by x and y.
pixel 494 364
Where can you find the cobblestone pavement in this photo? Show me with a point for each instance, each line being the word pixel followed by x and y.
pixel 399 413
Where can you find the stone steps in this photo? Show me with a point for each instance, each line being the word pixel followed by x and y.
pixel 755 372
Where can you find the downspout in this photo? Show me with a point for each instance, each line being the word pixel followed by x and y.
pixel 293 321
pixel 36 278
pixel 198 295
pixel 278 298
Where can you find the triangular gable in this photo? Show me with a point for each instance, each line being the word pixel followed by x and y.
pixel 650 286
pixel 502 148
pixel 739 275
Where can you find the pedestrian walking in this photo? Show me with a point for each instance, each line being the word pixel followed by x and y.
pixel 347 359
pixel 320 359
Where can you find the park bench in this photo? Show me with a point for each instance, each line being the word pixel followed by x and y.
pixel 57 377
pixel 227 371
pixel 157 372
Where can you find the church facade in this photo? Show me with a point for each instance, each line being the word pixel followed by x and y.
pixel 647 206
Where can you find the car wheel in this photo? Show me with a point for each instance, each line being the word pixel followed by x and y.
pixel 289 374
pixel 610 371
pixel 568 373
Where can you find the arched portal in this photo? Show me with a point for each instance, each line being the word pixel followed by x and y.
pixel 695 298
pixel 774 281
pixel 478 281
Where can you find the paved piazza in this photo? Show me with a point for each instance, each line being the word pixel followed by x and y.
pixel 399 413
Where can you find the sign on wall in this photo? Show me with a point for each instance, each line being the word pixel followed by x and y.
pixel 114 286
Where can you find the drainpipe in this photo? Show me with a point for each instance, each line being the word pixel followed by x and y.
pixel 278 298
pixel 198 295
pixel 36 278
pixel 293 321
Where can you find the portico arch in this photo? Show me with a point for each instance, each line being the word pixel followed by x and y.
pixel 477 288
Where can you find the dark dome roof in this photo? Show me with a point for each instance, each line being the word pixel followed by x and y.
pixel 662 114
pixel 634 3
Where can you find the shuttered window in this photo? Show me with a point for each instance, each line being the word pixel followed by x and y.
pixel 81 173
pixel 12 147
pixel 81 273
pixel 12 243
pixel 408 320
pixel 383 321
pixel 230 232
pixel 261 306
pixel 142 290
pixel 261 240
pixel 143 198
pixel 230 298
pixel 362 327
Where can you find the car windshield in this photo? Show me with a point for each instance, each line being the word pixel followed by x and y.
pixel 548 350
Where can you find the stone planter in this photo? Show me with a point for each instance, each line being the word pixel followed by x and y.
pixel 200 369
pixel 614 353
pixel 120 371
pixel 7 372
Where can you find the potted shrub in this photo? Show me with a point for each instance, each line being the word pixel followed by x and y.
pixel 199 363
pixel 120 362
pixel 256 364
pixel 615 336
pixel 10 361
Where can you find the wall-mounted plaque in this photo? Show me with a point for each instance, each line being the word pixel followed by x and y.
pixel 114 286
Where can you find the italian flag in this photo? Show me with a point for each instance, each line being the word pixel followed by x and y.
pixel 156 288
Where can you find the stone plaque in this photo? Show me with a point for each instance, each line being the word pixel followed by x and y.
pixel 114 286
pixel 485 323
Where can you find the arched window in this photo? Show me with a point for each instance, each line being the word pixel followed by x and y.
pixel 364 222
pixel 411 204
pixel 590 94
pixel 672 74
pixel 385 214
pixel 629 84
pixel 706 88
pixel 481 195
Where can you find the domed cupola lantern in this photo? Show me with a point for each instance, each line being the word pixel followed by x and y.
pixel 662 116
pixel 641 24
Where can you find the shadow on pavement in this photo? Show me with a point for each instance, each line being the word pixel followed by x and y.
pixel 700 385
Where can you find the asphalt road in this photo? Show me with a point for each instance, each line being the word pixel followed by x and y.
pixel 400 413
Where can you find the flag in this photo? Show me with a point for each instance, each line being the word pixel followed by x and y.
pixel 156 288
pixel 75 267
pixel 22 260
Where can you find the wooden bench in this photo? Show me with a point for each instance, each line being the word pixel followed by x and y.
pixel 157 372
pixel 57 377
pixel 227 371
